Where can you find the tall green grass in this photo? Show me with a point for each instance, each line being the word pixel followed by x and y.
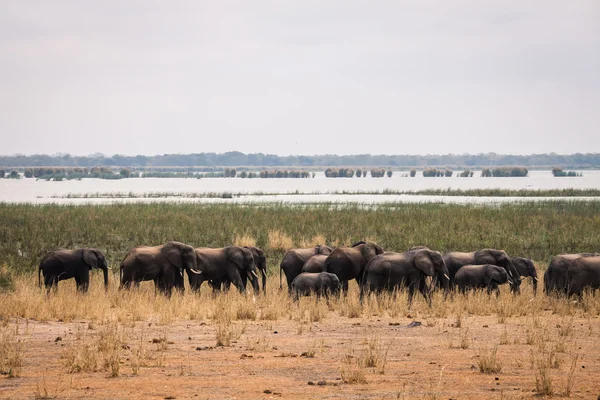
pixel 535 230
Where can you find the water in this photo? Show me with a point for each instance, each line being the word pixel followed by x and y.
pixel 318 189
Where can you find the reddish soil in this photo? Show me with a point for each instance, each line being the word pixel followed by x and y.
pixel 266 361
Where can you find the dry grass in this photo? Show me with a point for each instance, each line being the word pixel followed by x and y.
pixel 279 240
pixel 11 352
pixel 312 242
pixel 244 240
pixel 488 361
pixel 128 307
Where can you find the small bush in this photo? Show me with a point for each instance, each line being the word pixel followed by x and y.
pixel 488 361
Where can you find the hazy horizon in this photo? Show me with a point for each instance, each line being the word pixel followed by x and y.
pixel 308 78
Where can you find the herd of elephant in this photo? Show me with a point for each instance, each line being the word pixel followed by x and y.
pixel 322 270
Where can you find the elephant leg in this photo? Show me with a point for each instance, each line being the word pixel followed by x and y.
pixel 345 287
pixel 82 280
pixel 423 290
pixel 237 282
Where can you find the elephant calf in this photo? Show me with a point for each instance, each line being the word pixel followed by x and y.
pixel 321 284
pixel 480 277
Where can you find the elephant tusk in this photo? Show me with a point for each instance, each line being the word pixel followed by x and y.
pixel 447 277
pixel 254 273
pixel 511 282
pixel 108 268
pixel 510 273
pixel 196 272
pixel 535 278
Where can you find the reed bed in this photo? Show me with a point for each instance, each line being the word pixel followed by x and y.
pixel 534 230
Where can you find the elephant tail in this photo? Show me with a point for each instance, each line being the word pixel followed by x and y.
pixel 39 277
pixel 280 283
pixel 121 273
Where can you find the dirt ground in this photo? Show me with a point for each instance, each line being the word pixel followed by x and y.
pixel 291 360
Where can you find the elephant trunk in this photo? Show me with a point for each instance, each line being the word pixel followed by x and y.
pixel 254 279
pixel 105 272
pixel 263 272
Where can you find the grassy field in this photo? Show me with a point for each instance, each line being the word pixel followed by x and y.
pixel 121 344
pixel 534 230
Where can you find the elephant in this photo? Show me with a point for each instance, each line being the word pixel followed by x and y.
pixel 163 264
pixel 63 264
pixel 350 262
pixel 390 271
pixel 294 259
pixel 583 273
pixel 261 263
pixel 222 265
pixel 260 260
pixel 481 276
pixel 525 267
pixel 455 260
pixel 315 264
pixel 319 283
pixel 555 277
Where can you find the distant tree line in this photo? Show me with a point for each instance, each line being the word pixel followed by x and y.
pixel 200 161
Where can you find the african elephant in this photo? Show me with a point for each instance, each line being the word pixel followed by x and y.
pixel 319 283
pixel 63 264
pixel 294 259
pixel 481 276
pixel 525 267
pixel 390 271
pixel 225 264
pixel 315 264
pixel 583 273
pixel 555 277
pixel 163 264
pixel 261 263
pixel 455 260
pixel 350 262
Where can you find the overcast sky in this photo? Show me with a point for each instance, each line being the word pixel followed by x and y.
pixel 299 77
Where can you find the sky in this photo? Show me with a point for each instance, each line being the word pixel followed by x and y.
pixel 299 77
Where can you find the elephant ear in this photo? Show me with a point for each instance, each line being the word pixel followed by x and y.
pixel 322 249
pixel 487 256
pixel 90 257
pixel 236 255
pixel 368 251
pixel 424 263
pixel 494 273
pixel 172 252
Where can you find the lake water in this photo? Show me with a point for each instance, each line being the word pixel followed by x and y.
pixel 309 190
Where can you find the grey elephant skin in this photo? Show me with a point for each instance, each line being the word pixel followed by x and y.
pixel 481 277
pixel 315 264
pixel 260 260
pixel 349 262
pixel 456 260
pixel 526 268
pixel 555 277
pixel 320 283
pixel 391 271
pixel 583 273
pixel 61 264
pixel 294 260
pixel 162 264
pixel 225 264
